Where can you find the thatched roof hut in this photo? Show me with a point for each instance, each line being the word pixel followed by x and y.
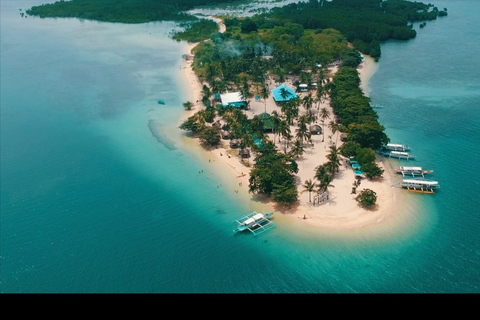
pixel 234 143
pixel 225 134
pixel 244 153
pixel 267 121
pixel 343 137
pixel 315 129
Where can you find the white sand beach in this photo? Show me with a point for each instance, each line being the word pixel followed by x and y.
pixel 341 212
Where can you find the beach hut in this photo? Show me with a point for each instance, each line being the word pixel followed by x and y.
pixel 343 137
pixel 225 134
pixel 244 153
pixel 277 93
pixel 267 121
pixel 315 129
pixel 234 143
pixel 233 99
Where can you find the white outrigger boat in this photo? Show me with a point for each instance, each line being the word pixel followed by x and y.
pixel 399 155
pixel 255 222
pixel 396 147
pixel 413 171
pixel 420 185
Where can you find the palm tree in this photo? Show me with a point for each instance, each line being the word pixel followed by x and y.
pixel 334 127
pixel 284 93
pixel 297 148
pixel 188 105
pixel 276 123
pixel 309 185
pixel 284 131
pixel 325 182
pixel 264 93
pixel 324 114
pixel 333 159
pixel 307 101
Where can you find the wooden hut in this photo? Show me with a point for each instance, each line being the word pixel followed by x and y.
pixel 244 153
pixel 315 129
pixel 234 143
pixel 343 137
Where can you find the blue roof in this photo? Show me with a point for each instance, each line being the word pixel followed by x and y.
pixel 277 93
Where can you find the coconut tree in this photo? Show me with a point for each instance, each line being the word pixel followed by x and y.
pixel 297 148
pixel 276 123
pixel 265 94
pixel 333 159
pixel 307 101
pixel 188 105
pixel 284 93
pixel 333 127
pixel 324 114
pixel 309 186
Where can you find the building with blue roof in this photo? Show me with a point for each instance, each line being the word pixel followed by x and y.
pixel 277 93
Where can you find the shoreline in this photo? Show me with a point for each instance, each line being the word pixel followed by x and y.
pixel 338 215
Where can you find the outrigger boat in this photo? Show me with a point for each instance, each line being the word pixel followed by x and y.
pixel 420 185
pixel 255 222
pixel 399 155
pixel 395 147
pixel 413 171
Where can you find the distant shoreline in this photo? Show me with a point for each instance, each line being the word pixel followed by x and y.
pixel 341 213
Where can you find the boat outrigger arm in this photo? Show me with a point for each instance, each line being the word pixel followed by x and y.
pixel 254 222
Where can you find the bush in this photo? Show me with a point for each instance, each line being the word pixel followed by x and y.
pixel 366 198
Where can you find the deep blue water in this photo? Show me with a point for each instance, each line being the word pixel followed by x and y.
pixel 92 202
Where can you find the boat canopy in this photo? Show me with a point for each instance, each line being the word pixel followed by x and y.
pixel 411 168
pixel 420 182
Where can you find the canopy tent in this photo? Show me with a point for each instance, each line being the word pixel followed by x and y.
pixel 277 93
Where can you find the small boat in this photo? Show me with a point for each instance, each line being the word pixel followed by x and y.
pixel 395 147
pixel 413 171
pixel 161 102
pixel 420 185
pixel 399 155
pixel 255 222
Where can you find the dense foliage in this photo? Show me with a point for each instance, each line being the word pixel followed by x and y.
pixel 366 198
pixel 273 174
pixel 365 23
pixel 126 11
pixel 197 31
pixel 354 111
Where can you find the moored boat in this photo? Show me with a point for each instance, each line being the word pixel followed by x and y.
pixel 420 185
pixel 396 147
pixel 255 222
pixel 399 155
pixel 413 171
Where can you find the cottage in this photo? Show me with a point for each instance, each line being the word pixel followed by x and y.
pixel 283 93
pixel 244 153
pixel 234 143
pixel 315 129
pixel 267 121
pixel 233 99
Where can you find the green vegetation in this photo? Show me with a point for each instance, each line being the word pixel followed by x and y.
pixel 273 174
pixel 126 11
pixel 197 31
pixel 366 198
pixel 364 23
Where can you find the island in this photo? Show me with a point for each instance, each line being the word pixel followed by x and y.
pixel 279 99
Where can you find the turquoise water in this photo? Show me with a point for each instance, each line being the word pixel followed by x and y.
pixel 91 201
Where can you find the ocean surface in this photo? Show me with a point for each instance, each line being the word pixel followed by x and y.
pixel 93 202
